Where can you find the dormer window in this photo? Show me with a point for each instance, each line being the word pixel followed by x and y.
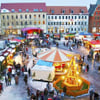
pixel 82 11
pixel 12 10
pixel 27 10
pixel 35 10
pixel 20 10
pixel 41 10
pixel 63 11
pixel 72 11
pixel 52 11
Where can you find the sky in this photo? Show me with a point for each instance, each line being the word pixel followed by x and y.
pixel 56 2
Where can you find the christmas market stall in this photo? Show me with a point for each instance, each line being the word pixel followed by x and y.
pixel 83 35
pixel 70 35
pixel 2 63
pixel 43 70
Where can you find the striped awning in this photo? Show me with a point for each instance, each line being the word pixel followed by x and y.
pixel 55 55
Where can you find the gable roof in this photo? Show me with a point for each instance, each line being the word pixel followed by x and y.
pixel 23 6
pixel 58 9
pixel 98 2
pixel 92 9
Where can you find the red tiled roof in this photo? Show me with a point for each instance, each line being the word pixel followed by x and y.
pixel 58 9
pixel 24 6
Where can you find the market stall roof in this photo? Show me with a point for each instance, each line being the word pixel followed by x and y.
pixel 30 28
pixel 44 63
pixel 95 42
pixel 20 38
pixel 2 58
pixel 85 33
pixel 17 40
pixel 87 39
pixel 55 55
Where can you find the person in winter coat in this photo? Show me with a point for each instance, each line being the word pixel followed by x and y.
pixel 6 80
pixel 16 80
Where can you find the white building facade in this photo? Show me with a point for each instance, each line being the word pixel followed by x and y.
pixel 16 16
pixel 65 19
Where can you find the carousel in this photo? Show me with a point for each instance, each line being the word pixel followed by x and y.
pixel 58 57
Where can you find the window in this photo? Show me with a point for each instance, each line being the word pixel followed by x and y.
pixel 35 10
pixel 81 23
pixel 30 16
pixel 66 23
pixel 34 16
pixel 85 17
pixel 51 17
pixel 75 29
pixel 41 10
pixel 7 17
pixel 55 17
pixel 82 11
pixel 21 16
pixel 78 23
pixel 52 11
pixel 62 23
pixel 85 23
pixel 75 17
pixel 71 29
pixel 43 16
pixel 16 23
pixel 43 22
pixel 94 23
pixel 16 17
pixel 75 23
pixel 39 22
pixel 97 23
pixel 66 17
pixel 54 23
pixel 79 17
pixel 78 29
pixel 21 23
pixel 51 23
pixel 72 23
pixel 62 17
pixel 72 11
pixel 12 23
pixel 39 16
pixel 63 11
pixel 12 17
pixel 69 17
pixel 94 29
pixel 20 10
pixel 25 16
pixel 59 17
pixel 48 17
pixel 72 17
pixel 27 10
pixel 25 23
pixel 8 23
pixel 3 24
pixel 82 17
pixel 3 17
pixel 34 22
pixel 12 10
pixel 30 23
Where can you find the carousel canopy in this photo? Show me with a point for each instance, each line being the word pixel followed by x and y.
pixel 85 33
pixel 55 55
